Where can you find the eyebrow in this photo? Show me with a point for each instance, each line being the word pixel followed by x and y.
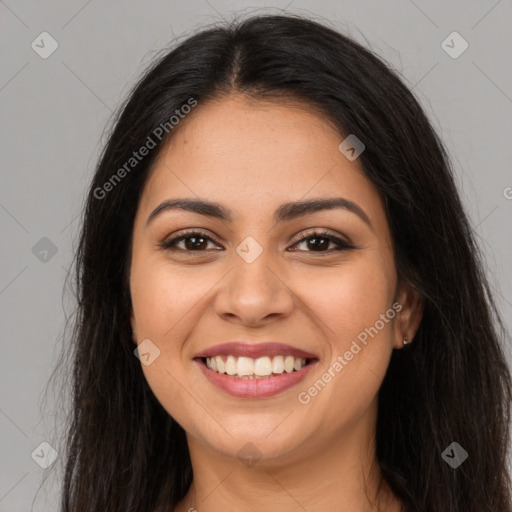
pixel 285 212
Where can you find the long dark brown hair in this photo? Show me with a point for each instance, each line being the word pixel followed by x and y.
pixel 123 450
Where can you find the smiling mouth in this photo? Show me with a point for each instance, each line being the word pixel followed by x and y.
pixel 247 368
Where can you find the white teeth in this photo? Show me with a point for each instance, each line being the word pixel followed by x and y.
pixel 297 365
pixel 221 366
pixel 231 368
pixel 245 366
pixel 248 368
pixel 263 366
pixel 278 364
pixel 288 364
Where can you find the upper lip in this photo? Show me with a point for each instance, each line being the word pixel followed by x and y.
pixel 254 350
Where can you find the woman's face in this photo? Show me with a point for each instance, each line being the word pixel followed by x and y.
pixel 261 277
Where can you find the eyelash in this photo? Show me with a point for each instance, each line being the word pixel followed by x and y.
pixel 171 244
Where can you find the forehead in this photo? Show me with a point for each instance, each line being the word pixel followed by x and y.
pixel 249 153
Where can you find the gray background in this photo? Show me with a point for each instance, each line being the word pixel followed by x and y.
pixel 54 111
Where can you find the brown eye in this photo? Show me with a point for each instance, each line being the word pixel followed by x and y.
pixel 321 241
pixel 192 242
pixel 316 241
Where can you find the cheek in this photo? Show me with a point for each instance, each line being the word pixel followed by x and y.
pixel 164 305
pixel 353 298
pixel 355 307
pixel 162 297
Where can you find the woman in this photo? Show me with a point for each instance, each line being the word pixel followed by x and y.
pixel 281 303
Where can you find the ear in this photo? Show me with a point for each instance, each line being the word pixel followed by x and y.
pixel 409 316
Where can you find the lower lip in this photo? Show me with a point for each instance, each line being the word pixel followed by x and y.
pixel 255 388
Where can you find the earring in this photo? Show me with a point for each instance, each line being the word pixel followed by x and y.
pixel 406 342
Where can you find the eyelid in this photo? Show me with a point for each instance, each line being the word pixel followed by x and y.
pixel 176 237
pixel 326 232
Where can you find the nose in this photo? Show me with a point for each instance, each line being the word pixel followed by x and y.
pixel 254 293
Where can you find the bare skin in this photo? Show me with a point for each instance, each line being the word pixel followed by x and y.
pixel 251 157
